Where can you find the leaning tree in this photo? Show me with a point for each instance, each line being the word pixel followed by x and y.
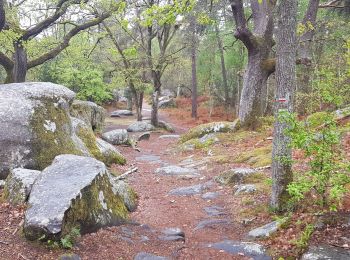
pixel 32 33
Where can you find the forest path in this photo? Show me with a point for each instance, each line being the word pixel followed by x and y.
pixel 181 196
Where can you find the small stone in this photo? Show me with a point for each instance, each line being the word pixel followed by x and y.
pixel 116 137
pixel 144 238
pixel 144 136
pixel 173 232
pixel 2 184
pixel 246 188
pixel 172 238
pixel 140 126
pixel 210 195
pixel 249 249
pixel 69 257
pixel 119 113
pixel 148 256
pixel 190 190
pixel 214 211
pixel 236 175
pixel 264 231
pixel 211 222
pixel 169 137
pixel 174 170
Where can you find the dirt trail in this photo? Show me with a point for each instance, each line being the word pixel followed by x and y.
pixel 203 213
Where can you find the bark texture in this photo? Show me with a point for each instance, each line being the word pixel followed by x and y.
pixel 286 84
pixel 258 43
pixel 194 68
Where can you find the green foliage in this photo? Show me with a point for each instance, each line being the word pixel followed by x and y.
pixel 68 241
pixel 76 71
pixel 328 171
pixel 303 242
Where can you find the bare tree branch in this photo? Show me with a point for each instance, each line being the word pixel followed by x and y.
pixel 54 52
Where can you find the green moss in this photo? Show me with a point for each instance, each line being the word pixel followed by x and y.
pixel 214 127
pixel 257 158
pixel 88 207
pixel 317 119
pixel 89 139
pixel 47 143
pixel 199 145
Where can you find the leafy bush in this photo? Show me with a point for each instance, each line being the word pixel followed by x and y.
pixel 328 171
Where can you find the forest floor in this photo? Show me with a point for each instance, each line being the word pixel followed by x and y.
pixel 204 219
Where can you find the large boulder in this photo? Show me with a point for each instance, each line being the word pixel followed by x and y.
pixel 19 184
pixel 140 126
pixel 35 125
pixel 119 113
pixel 116 137
pixel 122 189
pixel 92 114
pixel 73 192
pixel 214 127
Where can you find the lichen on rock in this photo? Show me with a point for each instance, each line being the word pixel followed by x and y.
pixel 214 127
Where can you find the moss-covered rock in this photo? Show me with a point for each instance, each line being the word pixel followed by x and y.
pixel 74 192
pixel 123 190
pixel 92 114
pixel 34 125
pixel 19 184
pixel 110 154
pixel 214 127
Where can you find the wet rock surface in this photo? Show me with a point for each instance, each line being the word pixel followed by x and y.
pixel 73 191
pixel 214 211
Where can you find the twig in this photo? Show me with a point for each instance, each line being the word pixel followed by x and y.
pixel 123 176
pixel 23 256
pixel 4 242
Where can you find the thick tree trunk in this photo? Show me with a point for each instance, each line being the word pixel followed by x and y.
pixel 259 44
pixel 254 85
pixel 2 14
pixel 223 66
pixel 286 81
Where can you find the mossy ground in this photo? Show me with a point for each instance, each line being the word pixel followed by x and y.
pixel 258 157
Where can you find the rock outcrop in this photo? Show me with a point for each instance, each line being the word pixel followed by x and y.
pixel 35 125
pixel 73 192
pixel 19 184
pixel 92 114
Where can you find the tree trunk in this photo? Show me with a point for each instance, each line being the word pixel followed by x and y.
pixel 259 44
pixel 17 73
pixel 286 81
pixel 155 97
pixel 223 66
pixel 251 105
pixel 194 69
